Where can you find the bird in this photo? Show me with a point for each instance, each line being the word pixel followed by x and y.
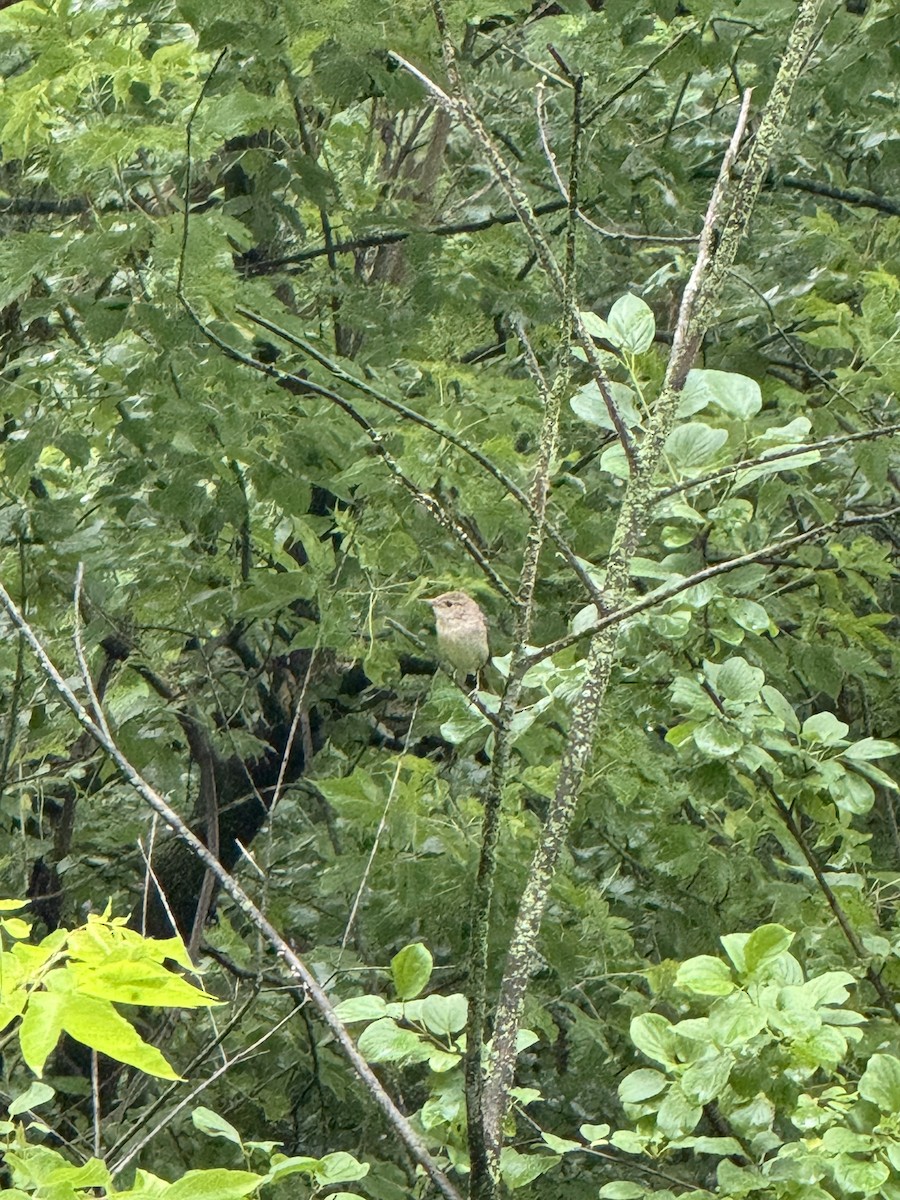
pixel 462 633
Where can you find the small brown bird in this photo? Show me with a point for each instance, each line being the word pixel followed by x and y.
pixel 462 633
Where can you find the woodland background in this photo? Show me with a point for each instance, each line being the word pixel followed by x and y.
pixel 277 355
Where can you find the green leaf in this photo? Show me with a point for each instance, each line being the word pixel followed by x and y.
pixel 633 324
pixel 717 738
pixel 735 1020
pixel 589 405
pixel 795 463
pixel 40 1029
pixel 215 1184
pixel 560 1145
pixel 855 1176
pixel 411 970
pixel 748 614
pixel 737 681
pixel 622 1190
pixel 830 988
pixel 96 1024
pixel 824 729
pixel 339 1167
pixel 283 1165
pixel 213 1125
pixel 707 1079
pixel 880 1082
pixel 594 1133
pixel 867 748
pixel 361 1008
pixel 654 1036
pixel 693 444
pixel 641 1085
pixel 137 982
pixel 628 1142
pixel 765 944
pixel 851 793
pixel 780 708
pixel 385 1041
pixel 445 1015
pixel 518 1170
pixel 735 395
pixel 678 1114
pixel 597 327
pixel 705 975
pixel 32 1097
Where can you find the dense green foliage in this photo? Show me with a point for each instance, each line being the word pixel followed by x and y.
pixel 270 427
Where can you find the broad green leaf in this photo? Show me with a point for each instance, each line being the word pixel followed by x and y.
pixel 339 1167
pixel 385 1041
pixel 795 431
pixel 560 1145
pixel 764 944
pixel 214 1184
pixel 411 970
pixel 622 1190
pixel 852 794
pixel 880 1082
pixel 795 463
pixel 693 444
pixel 614 461
pixel 518 1170
pixel 717 738
pixel 631 320
pixel 42 1024
pixel 854 1176
pixel 706 976
pixel 361 1008
pixel 142 982
pixel 735 1020
pixel 96 1023
pixel 824 729
pixel 589 405
pixel 628 1142
pixel 654 1036
pixel 36 1094
pixel 445 1015
pixel 867 748
pixel 597 327
pixel 443 1060
pixel 707 1079
pixel 779 706
pixel 748 614
pixel 594 1133
pixel 736 680
pixel 830 988
pixel 735 395
pixel 284 1165
pixel 678 1114
pixel 641 1085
